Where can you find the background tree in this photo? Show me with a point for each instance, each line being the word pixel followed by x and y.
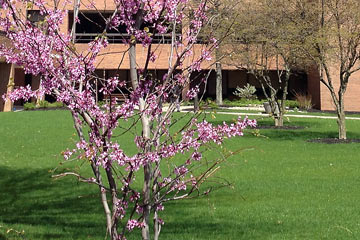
pixel 334 47
pixel 70 77
pixel 265 43
pixel 221 16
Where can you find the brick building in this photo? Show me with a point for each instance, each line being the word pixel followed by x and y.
pixel 108 63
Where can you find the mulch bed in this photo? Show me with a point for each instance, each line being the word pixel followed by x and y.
pixel 333 140
pixel 281 128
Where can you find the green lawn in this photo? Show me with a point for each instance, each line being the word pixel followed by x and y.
pixel 284 186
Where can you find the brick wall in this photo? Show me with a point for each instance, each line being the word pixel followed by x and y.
pixel 352 95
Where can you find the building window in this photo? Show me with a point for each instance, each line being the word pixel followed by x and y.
pixel 34 16
pixel 93 23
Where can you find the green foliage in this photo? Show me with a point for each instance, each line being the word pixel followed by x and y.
pixel 101 103
pixel 242 102
pixel 208 103
pixel 187 103
pixel 246 92
pixel 247 102
pixel 56 105
pixel 43 104
pixel 291 104
pixel 29 106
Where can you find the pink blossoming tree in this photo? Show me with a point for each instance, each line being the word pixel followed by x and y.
pixel 68 75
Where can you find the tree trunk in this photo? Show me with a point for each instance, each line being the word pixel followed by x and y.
pixel 337 99
pixel 219 92
pixel 8 107
pixel 97 174
pixel 75 13
pixel 341 126
pixel 279 120
pixel 196 103
pixel 113 189
pixel 341 119
pixel 219 99
pixel 157 226
pixel 39 98
pixel 104 201
pixel 145 231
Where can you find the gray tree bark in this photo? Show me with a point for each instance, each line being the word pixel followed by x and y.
pixel 341 118
pixel 219 98
pixel 145 232
pixel 196 103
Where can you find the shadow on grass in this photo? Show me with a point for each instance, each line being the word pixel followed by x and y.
pixel 64 209
pixel 48 209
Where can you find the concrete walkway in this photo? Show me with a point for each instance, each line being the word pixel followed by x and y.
pixel 260 109
pixel 187 109
pixel 286 115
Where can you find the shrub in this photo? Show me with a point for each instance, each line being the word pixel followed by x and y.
pixel 247 102
pixel 243 102
pixel 56 105
pixel 292 103
pixel 247 92
pixel 43 104
pixel 209 103
pixel 29 106
pixel 304 101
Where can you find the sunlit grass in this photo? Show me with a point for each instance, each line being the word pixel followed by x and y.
pixel 283 186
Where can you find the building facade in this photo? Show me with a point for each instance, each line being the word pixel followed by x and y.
pixel 91 24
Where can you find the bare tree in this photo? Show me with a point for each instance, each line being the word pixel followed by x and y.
pixel 221 20
pixel 334 47
pixel 265 43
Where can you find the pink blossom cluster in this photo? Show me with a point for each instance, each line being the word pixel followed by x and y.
pixel 121 207
pixel 207 132
pixel 191 94
pixel 132 223
pixel 192 139
pixel 22 93
pixel 70 76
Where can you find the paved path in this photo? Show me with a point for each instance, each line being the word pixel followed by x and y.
pixel 186 109
pixel 287 115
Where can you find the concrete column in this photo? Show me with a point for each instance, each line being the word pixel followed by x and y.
pixel 8 107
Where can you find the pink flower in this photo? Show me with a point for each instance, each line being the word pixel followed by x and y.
pixel 196 156
pixel 193 92
pixel 132 223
